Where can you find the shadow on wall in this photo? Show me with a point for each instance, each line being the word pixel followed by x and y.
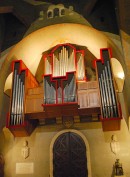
pixel 1 165
pixel 5 110
pixel 113 171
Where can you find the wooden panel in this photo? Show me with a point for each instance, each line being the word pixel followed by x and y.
pixel 19 132
pixel 88 98
pixel 87 85
pixel 83 98
pixel 34 98
pixel 93 98
pixel 34 103
pixel 61 110
pixel 36 90
pixel 30 80
pixel 89 111
pixel 88 94
pixel 24 130
pixel 36 115
pixel 111 124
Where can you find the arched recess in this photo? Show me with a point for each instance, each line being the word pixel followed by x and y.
pixel 118 73
pixel 31 48
pixel 85 142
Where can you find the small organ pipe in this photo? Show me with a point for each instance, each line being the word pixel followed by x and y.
pixel 106 94
pixel 17 107
pixel 60 64
pixel 18 103
pixel 102 100
pixel 22 103
pixel 13 98
pixel 112 91
pixel 109 92
pixel 67 56
pixel 63 61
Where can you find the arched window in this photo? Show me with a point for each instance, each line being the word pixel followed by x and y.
pixel 56 12
pixel 49 14
pixel 62 12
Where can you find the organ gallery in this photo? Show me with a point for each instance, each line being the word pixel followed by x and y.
pixel 64 88
pixel 65 91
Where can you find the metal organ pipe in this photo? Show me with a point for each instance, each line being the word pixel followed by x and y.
pixel 17 106
pixel 107 91
pixel 18 103
pixel 13 98
pixel 63 57
pixel 22 107
pixel 106 94
pixel 104 97
pixel 112 91
pixel 59 63
pixel 63 62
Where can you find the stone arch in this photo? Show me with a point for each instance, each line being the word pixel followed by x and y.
pixel 50 14
pixel 86 144
pixel 62 12
pixel 56 12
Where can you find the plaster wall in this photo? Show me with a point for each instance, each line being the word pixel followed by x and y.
pixel 101 157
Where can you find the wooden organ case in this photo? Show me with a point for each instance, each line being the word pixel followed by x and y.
pixel 22 81
pixel 65 94
pixel 110 107
pixel 66 91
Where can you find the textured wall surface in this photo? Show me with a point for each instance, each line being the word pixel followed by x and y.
pixel 101 157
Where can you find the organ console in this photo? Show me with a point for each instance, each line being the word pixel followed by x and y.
pixel 64 92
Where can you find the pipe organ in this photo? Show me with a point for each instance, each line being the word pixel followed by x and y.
pixel 17 102
pixel 64 66
pixel 110 107
pixel 107 89
pixel 60 90
pixel 64 92
pixel 22 80
pixel 64 59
